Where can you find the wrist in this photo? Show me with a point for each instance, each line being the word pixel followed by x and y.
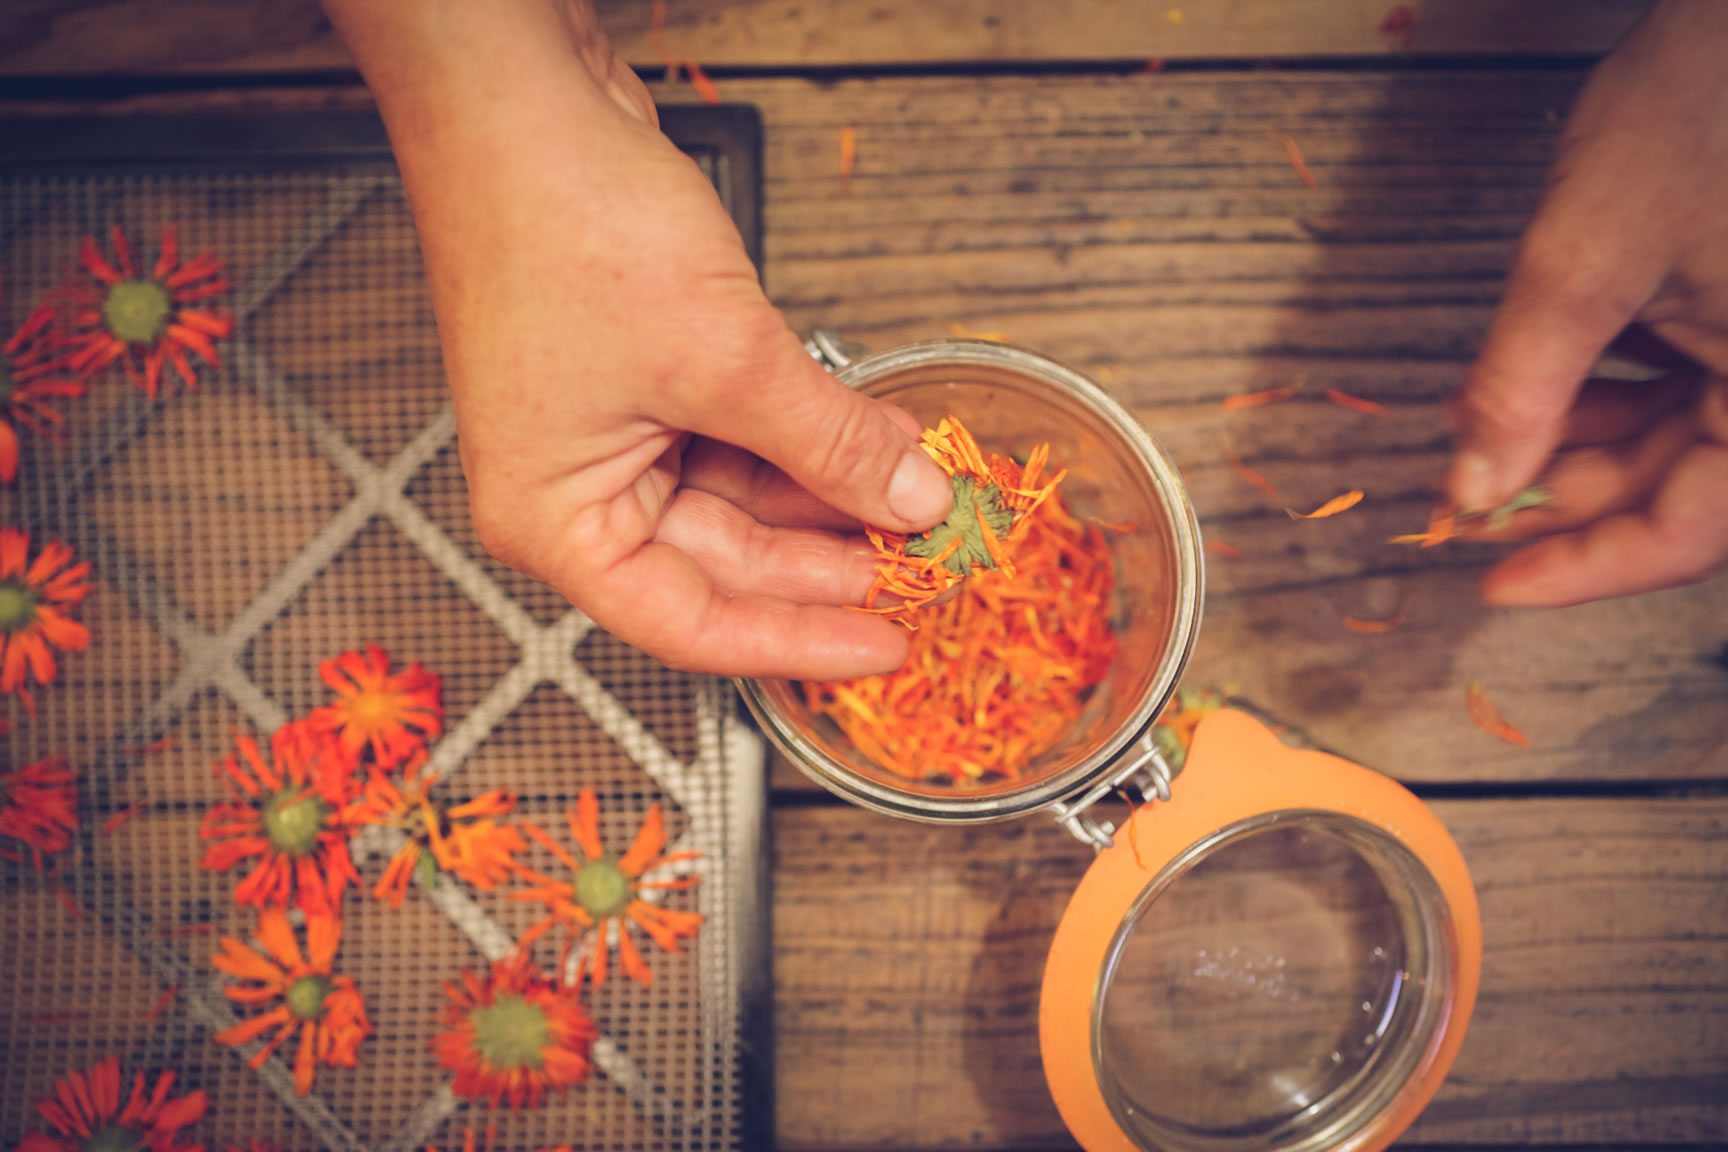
pixel 441 66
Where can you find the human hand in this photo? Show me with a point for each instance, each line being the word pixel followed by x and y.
pixel 1632 230
pixel 638 426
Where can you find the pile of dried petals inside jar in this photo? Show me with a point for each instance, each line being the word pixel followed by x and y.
pixel 1000 671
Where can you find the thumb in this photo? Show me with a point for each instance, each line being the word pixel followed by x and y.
pixel 857 454
pixel 1566 299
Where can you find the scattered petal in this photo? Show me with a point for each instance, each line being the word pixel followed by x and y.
pixel 848 149
pixel 1344 399
pixel 1488 718
pixel 1356 624
pixel 1228 450
pixel 1331 508
pixel 1269 396
pixel 1296 161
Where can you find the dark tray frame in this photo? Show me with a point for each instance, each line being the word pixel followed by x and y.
pixel 731 137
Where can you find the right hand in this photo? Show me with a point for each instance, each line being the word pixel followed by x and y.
pixel 1633 229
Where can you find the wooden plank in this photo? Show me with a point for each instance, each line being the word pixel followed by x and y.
pixel 1150 230
pixel 868 32
pixel 908 962
pixel 133 37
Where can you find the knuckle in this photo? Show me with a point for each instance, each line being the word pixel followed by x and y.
pixel 1503 415
pixel 1579 273
pixel 853 455
pixel 733 365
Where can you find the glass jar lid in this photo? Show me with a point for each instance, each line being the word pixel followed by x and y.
pixel 1283 958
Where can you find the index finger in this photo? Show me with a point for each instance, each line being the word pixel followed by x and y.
pixel 660 600
pixel 1561 309
pixel 1679 538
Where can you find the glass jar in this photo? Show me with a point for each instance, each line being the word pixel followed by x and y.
pixel 1277 953
pixel 1012 400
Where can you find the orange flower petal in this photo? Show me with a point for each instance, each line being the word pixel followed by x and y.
pixel 585 825
pixel 1331 508
pixel 650 841
pixel 277 936
pixel 304 1066
pixel 1269 396
pixel 1391 622
pixel 1488 718
pixel 248 1030
pixel 1345 400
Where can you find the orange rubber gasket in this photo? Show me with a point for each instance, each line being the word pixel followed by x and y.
pixel 1237 770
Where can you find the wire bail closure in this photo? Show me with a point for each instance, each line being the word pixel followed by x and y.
pixel 831 350
pixel 1145 769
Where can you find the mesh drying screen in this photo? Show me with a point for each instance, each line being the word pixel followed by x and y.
pixel 307 499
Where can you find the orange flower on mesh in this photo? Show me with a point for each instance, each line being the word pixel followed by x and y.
pixel 89 1111
pixel 145 322
pixel 512 1035
pixel 603 893
pixel 465 840
pixel 992 495
pixel 394 714
pixel 38 806
pixel 287 817
pixel 33 371
pixel 36 599
pixel 324 1009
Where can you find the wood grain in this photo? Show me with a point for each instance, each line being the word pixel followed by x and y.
pixel 908 962
pixel 1150 231
pixel 134 37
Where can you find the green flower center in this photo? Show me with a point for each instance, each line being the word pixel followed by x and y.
pixel 6 381
pixel 137 310
pixel 511 1033
pixel 17 605
pixel 306 997
pixel 113 1138
pixel 973 507
pixel 601 888
pixel 292 821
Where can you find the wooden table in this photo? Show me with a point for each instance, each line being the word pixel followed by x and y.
pixel 1018 171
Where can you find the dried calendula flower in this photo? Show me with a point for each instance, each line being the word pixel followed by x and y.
pixel 90 1108
pixel 147 320
pixel 324 1009
pixel 999 673
pixel 600 895
pixel 993 496
pixel 971 534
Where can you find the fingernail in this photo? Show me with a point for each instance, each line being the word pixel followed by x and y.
pixel 1473 482
pixel 919 493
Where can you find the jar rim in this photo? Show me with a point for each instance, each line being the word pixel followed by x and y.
pixel 1411 1029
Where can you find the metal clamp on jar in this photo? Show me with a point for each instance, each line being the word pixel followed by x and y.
pixel 1280 951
